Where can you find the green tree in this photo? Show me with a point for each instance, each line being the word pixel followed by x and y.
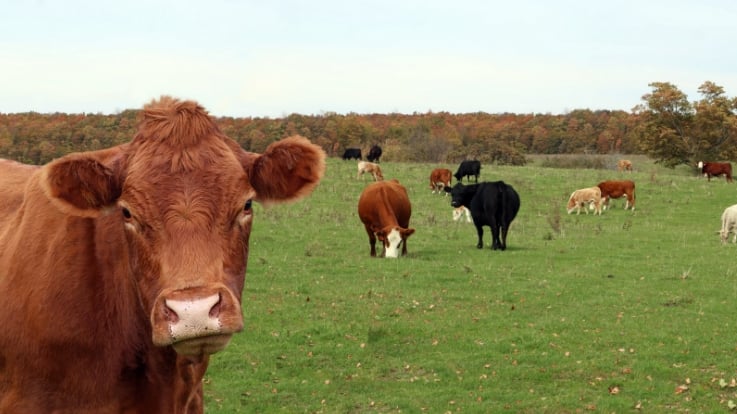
pixel 666 130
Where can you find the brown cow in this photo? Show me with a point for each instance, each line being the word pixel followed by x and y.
pixel 371 168
pixel 579 198
pixel 121 270
pixel 624 165
pixel 384 209
pixel 617 189
pixel 715 169
pixel 439 179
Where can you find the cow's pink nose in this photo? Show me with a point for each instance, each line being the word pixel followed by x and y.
pixel 194 312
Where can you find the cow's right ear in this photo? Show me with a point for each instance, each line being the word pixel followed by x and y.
pixel 447 189
pixel 81 185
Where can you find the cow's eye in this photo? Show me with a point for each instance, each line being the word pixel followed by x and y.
pixel 247 207
pixel 126 213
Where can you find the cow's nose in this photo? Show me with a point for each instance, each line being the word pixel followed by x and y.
pixel 177 310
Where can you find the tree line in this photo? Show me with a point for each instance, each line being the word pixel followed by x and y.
pixel 665 126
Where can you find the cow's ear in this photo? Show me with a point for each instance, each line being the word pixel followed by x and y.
pixel 407 232
pixel 82 184
pixel 447 189
pixel 288 170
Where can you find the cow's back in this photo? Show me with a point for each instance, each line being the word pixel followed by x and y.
pixel 496 199
pixel 385 199
pixel 13 179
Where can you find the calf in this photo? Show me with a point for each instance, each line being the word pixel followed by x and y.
pixel 616 189
pixel 439 179
pixel 352 153
pixel 384 210
pixel 729 224
pixel 468 168
pixel 371 168
pixel 494 204
pixel 580 198
pixel 715 169
pixel 460 212
pixel 374 154
pixel 624 165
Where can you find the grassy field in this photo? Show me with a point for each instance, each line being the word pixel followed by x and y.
pixel 627 312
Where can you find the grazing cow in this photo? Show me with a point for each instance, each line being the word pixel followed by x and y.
pixel 460 212
pixel 468 168
pixel 439 179
pixel 352 153
pixel 384 209
pixel 624 165
pixel 616 189
pixel 371 168
pixel 121 270
pixel 374 154
pixel 715 169
pixel 729 224
pixel 580 198
pixel 494 204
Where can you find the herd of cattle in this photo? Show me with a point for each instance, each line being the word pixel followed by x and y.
pixel 122 269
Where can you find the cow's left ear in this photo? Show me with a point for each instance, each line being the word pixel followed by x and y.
pixel 288 170
pixel 407 232
pixel 82 184
pixel 447 189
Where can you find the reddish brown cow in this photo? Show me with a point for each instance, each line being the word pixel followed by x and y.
pixel 439 179
pixel 715 169
pixel 617 189
pixel 384 209
pixel 121 270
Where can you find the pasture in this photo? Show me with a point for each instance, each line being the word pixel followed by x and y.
pixel 626 312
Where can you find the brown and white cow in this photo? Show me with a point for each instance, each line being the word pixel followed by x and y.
pixel 616 189
pixel 371 168
pixel 439 179
pixel 715 169
pixel 580 198
pixel 384 210
pixel 121 270
pixel 624 165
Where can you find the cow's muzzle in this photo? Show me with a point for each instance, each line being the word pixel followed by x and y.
pixel 196 321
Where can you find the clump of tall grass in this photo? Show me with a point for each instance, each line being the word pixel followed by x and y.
pixel 576 161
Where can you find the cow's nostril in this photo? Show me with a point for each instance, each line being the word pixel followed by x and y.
pixel 170 315
pixel 215 310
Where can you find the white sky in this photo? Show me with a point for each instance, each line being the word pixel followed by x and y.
pixel 272 58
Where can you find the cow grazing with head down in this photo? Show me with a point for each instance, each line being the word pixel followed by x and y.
pixel 468 168
pixel 374 154
pixel 494 204
pixel 371 168
pixel 352 153
pixel 461 211
pixel 384 210
pixel 616 189
pixel 715 169
pixel 580 198
pixel 121 270
pixel 439 179
pixel 624 165
pixel 729 224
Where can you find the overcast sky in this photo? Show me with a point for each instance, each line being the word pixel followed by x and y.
pixel 273 58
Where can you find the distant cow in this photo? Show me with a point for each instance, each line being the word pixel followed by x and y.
pixel 439 179
pixel 624 165
pixel 122 269
pixel 468 168
pixel 729 224
pixel 459 212
pixel 580 198
pixel 616 189
pixel 384 210
pixel 374 154
pixel 494 204
pixel 352 153
pixel 371 168
pixel 715 169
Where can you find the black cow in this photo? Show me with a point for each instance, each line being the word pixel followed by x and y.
pixel 374 154
pixel 468 168
pixel 352 153
pixel 494 204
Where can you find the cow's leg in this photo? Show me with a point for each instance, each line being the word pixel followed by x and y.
pixel 372 240
pixel 480 232
pixel 496 243
pixel 505 229
pixel 404 246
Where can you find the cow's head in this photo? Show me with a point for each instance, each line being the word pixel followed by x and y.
pixel 392 239
pixel 180 194
pixel 461 195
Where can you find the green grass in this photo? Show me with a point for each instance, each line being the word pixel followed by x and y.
pixel 580 314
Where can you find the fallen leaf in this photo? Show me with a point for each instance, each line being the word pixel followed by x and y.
pixel 681 389
pixel 614 390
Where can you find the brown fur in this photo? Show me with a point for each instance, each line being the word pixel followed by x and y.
pixel 92 245
pixel 384 206
pixel 616 189
pixel 624 165
pixel 439 179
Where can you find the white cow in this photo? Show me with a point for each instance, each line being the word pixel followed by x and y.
pixel 579 198
pixel 729 224
pixel 459 212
